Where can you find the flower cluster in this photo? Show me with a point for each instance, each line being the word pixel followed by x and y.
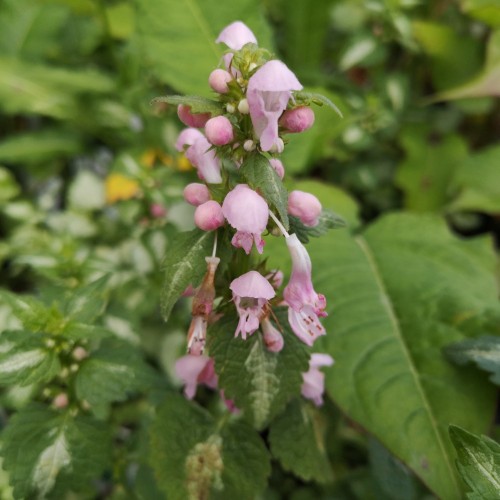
pixel 259 104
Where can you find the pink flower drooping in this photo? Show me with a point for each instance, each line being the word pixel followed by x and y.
pixel 251 291
pixel 205 160
pixel 187 138
pixel 269 91
pixel 248 213
pixel 305 206
pixel 236 35
pixel 314 381
pixel 194 370
pixel 305 304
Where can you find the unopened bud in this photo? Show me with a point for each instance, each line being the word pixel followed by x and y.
pixel 305 206
pixel 298 119
pixel 278 167
pixel 61 400
pixel 79 353
pixel 73 368
pixel 218 80
pixel 208 216
pixel 230 108
pixel 196 194
pixel 157 210
pixel 196 120
pixel 219 131
pixel 50 343
pixel 272 337
pixel 249 145
pixel 243 107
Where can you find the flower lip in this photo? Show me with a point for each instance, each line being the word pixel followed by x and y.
pixel 252 285
pixel 236 35
pixel 187 138
pixel 274 76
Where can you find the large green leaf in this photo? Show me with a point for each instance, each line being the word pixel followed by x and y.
pixel 193 456
pixel 478 463
pixel 178 37
pixel 399 293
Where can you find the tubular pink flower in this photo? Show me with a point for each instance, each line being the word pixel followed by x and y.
pixel 205 160
pixel 248 213
pixel 194 370
pixel 305 206
pixel 219 131
pixel 276 278
pixel 298 119
pixel 197 120
pixel 218 80
pixel 251 291
pixel 272 336
pixel 187 138
pixel 314 381
pixel 236 35
pixel 196 194
pixel 208 216
pixel 305 304
pixel 269 91
pixel 278 167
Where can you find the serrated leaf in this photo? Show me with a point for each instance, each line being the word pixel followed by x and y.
pixel 196 103
pixel 195 457
pixel 42 447
pixel 87 303
pixel 261 176
pixel 318 99
pixel 326 221
pixel 111 374
pixel 297 441
pixel 484 351
pixel 184 264
pixel 478 462
pixel 398 294
pixel 260 382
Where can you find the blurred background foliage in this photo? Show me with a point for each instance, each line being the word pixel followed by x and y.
pixel 90 182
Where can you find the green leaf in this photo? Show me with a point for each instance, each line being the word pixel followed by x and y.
pixel 86 303
pixel 262 177
pixel 297 439
pixel 477 182
pixel 309 98
pixel 196 103
pixel 193 456
pixel 260 382
pixel 184 265
pixel 178 38
pixel 484 351
pixel 326 221
pixel 25 359
pixel 478 462
pixel 487 11
pixel 111 374
pixel 8 186
pixel 42 447
pixel 397 295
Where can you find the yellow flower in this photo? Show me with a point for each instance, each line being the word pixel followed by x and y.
pixel 183 163
pixel 119 187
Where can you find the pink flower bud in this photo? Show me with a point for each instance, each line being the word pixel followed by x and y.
pixel 219 131
pixel 305 206
pixel 278 166
pixel 298 119
pixel 61 400
pixel 209 216
pixel 79 353
pixel 218 80
pixel 313 385
pixel 196 194
pixel 196 120
pixel 272 337
pixel 157 211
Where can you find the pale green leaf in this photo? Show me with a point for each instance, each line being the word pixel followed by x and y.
pixel 87 192
pixel 478 463
pixel 487 11
pixel 184 265
pixel 398 294
pixel 196 103
pixel 8 186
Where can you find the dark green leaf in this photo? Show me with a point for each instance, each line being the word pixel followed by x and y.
pixel 261 176
pixel 196 103
pixel 260 382
pixel 484 351
pixel 478 463
pixel 184 265
pixel 297 440
pixel 309 98
pixel 327 220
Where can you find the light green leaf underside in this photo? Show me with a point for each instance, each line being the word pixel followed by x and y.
pixel 398 294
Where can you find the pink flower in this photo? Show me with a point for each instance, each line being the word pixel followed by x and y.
pixel 272 337
pixel 276 278
pixel 248 213
pixel 208 216
pixel 236 35
pixel 157 210
pixel 278 167
pixel 196 194
pixel 297 119
pixel 305 206
pixel 205 160
pixel 187 138
pixel 269 91
pixel 219 131
pixel 197 120
pixel 314 381
pixel 194 370
pixel 218 80
pixel 251 291
pixel 305 304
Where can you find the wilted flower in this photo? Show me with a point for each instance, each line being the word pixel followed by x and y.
pixel 269 91
pixel 205 160
pixel 305 304
pixel 305 206
pixel 251 291
pixel 314 380
pixel 248 213
pixel 194 370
